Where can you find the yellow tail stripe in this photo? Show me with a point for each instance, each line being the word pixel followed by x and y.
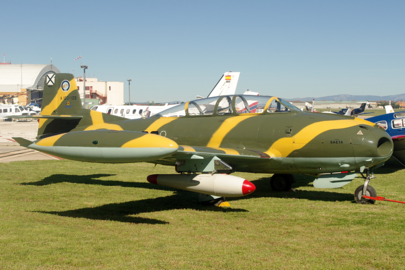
pixel 225 128
pixel 56 101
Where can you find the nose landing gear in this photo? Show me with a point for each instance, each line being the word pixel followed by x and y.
pixel 365 189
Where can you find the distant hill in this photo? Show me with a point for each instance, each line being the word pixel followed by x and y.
pixel 344 97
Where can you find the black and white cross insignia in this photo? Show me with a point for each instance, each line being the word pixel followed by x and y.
pixel 50 79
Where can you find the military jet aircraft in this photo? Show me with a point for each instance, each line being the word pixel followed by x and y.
pixel 216 135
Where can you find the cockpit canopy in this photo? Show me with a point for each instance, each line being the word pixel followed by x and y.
pixel 230 105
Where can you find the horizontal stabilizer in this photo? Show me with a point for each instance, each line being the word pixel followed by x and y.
pixel 46 116
pixel 22 141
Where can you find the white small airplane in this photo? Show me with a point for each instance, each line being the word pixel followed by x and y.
pixel 225 86
pixel 14 109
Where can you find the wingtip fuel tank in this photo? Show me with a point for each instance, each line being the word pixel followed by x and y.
pixel 216 184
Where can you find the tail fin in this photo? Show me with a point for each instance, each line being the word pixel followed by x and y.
pixel 60 96
pixel 62 109
pixel 226 84
pixel 389 109
pixel 362 107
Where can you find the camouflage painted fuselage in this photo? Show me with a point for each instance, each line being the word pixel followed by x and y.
pixel 288 142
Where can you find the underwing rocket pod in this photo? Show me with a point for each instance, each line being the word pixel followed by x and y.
pixel 217 184
pixel 106 146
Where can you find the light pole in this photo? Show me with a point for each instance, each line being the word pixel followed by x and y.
pixel 84 83
pixel 129 91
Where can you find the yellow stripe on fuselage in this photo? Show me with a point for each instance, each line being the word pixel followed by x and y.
pixel 285 145
pixel 98 122
pixel 226 127
pixel 50 141
pixel 159 123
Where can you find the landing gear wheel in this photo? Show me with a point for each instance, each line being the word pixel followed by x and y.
pixel 214 202
pixel 281 182
pixel 358 195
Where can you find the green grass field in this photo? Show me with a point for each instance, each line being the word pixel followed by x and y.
pixel 72 215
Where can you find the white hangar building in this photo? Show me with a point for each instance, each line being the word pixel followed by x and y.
pixel 23 82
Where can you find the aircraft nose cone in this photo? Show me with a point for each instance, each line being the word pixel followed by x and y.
pixel 248 187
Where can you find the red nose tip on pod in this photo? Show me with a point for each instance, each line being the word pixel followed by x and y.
pixel 152 179
pixel 248 187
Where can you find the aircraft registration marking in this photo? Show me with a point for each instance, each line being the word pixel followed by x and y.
pixel 225 128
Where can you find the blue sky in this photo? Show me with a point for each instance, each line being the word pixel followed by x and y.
pixel 175 50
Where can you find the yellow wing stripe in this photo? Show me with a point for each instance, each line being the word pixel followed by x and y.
pixel 159 123
pixel 227 151
pixel 225 128
pixel 188 148
pixel 50 141
pixel 289 144
pixel 150 141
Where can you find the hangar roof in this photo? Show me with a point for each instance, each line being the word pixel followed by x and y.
pixel 13 77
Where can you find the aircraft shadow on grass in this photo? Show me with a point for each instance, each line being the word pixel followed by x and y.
pixel 128 211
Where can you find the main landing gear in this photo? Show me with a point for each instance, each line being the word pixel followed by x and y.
pixel 365 189
pixel 213 200
pixel 281 182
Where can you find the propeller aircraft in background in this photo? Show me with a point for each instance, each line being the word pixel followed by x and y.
pixel 394 124
pixel 225 86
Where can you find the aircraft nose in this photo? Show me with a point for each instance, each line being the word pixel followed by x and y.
pixel 384 144
pixel 379 140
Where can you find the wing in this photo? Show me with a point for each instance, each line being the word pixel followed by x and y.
pixel 208 159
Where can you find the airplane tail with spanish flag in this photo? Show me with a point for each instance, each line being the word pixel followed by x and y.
pixel 226 85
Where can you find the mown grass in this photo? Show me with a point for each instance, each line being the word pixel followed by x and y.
pixel 72 215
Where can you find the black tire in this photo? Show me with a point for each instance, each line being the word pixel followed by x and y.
pixel 281 182
pixel 369 192
pixel 214 202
